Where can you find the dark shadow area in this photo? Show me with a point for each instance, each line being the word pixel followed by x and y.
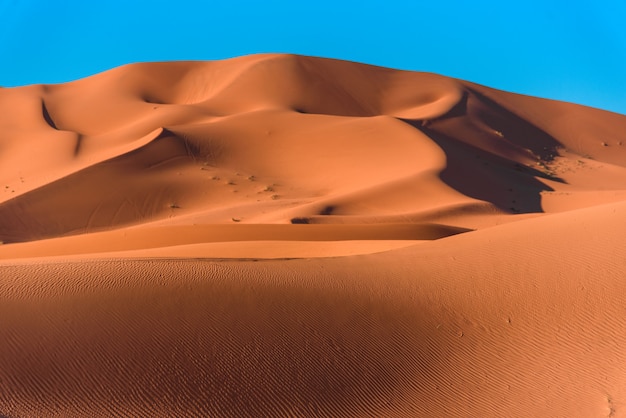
pixel 512 127
pixel 328 210
pixel 485 176
pixel 47 117
pixel 488 147
pixel 78 145
pixel 303 221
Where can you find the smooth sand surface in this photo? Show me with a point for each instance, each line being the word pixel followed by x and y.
pixel 277 235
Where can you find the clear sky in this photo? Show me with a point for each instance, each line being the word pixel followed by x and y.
pixel 567 50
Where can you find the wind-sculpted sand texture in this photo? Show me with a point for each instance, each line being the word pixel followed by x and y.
pixel 278 235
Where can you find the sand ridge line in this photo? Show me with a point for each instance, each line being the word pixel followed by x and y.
pixel 167 236
pixel 220 251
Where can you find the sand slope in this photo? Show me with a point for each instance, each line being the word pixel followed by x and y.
pixel 283 235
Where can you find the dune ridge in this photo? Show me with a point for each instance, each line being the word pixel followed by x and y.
pixel 281 235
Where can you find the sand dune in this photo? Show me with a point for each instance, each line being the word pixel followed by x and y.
pixel 279 235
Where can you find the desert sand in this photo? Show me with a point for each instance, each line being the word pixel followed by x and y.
pixel 279 235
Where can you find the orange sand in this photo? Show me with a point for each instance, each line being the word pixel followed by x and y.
pixel 278 235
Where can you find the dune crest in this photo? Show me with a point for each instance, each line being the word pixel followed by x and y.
pixel 280 235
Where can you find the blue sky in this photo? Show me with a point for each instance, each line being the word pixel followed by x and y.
pixel 573 51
